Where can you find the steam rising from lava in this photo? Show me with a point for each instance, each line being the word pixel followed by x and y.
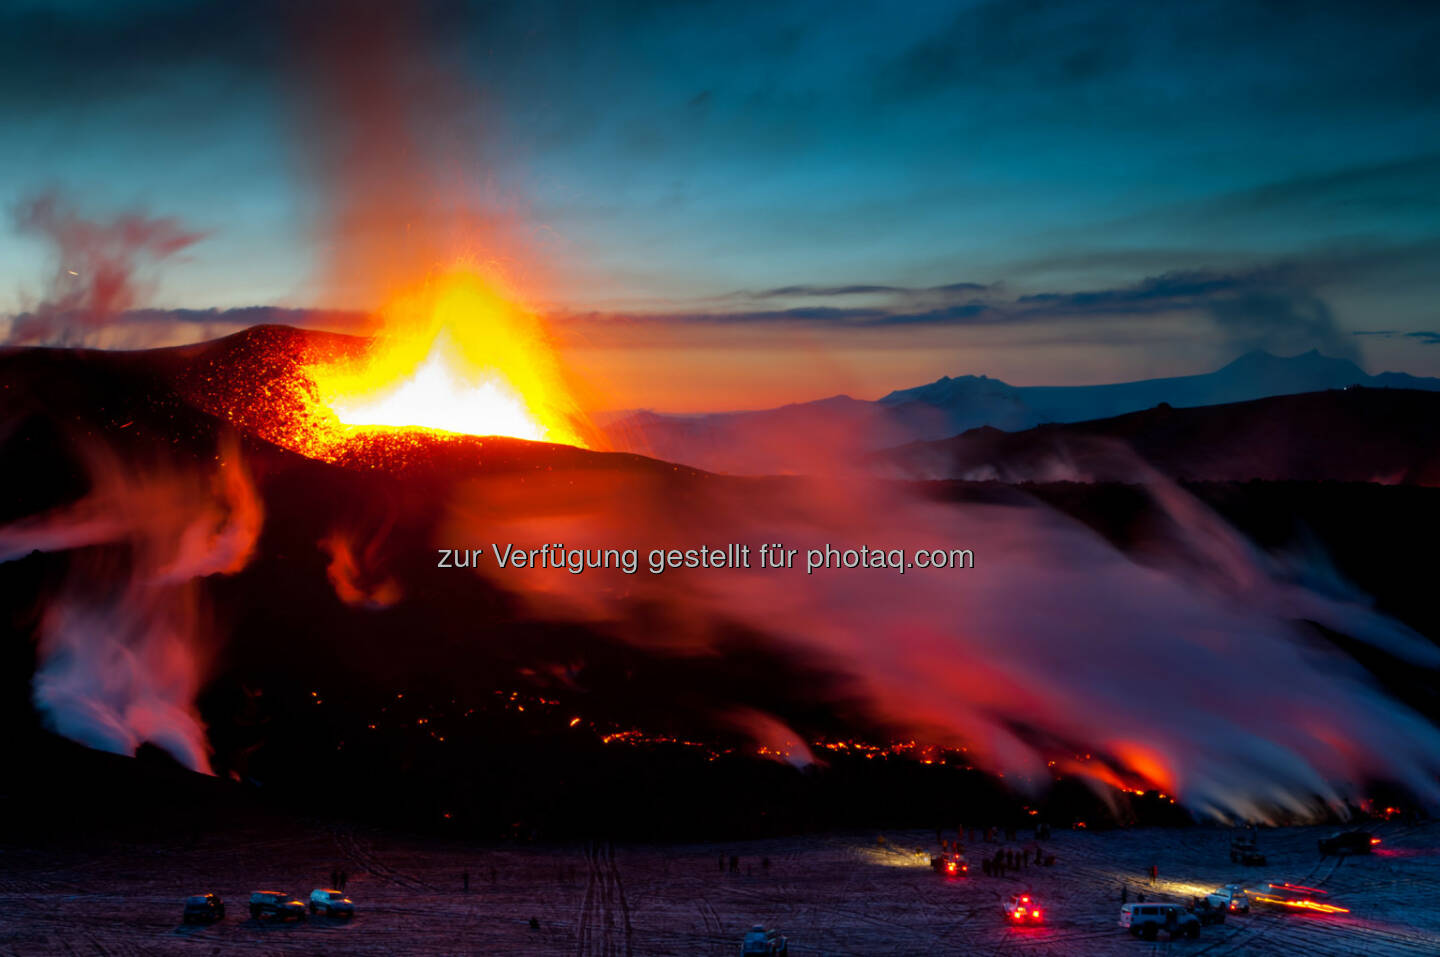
pixel 1193 674
pixel 349 571
pixel 123 645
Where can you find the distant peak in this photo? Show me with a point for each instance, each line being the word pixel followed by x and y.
pixel 947 388
pixel 1259 357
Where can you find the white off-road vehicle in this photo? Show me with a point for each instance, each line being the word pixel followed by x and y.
pixel 1231 897
pixel 1148 920
pixel 331 903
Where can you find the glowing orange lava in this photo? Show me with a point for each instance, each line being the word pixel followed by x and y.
pixel 456 356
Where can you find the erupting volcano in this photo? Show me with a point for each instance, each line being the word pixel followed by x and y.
pixel 456 362
pixel 580 444
pixel 456 356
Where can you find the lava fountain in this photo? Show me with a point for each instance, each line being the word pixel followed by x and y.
pixel 456 355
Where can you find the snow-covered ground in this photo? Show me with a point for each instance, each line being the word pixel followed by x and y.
pixel 832 894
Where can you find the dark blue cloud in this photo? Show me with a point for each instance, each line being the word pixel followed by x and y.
pixel 853 290
pixel 1094 158
pixel 1426 337
pixel 1263 308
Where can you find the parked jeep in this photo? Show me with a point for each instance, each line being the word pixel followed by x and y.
pixel 1208 912
pixel 1231 897
pixel 1148 920
pixel 276 904
pixel 331 903
pixel 950 864
pixel 204 909
pixel 1244 850
pixel 1346 843
pixel 1022 909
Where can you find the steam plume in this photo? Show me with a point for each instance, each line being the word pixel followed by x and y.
pixel 97 268
pixel 1193 672
pixel 123 646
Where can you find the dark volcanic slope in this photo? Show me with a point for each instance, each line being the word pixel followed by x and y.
pixel 412 702
pixel 255 380
pixel 1390 436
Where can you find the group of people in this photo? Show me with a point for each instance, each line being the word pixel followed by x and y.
pixel 1006 860
pixel 338 878
pixel 1152 873
pixel 992 834
pixel 735 864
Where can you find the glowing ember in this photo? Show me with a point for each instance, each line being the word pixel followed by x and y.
pixel 456 356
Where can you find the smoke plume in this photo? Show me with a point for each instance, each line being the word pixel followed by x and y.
pixel 123 646
pixel 1192 671
pixel 98 267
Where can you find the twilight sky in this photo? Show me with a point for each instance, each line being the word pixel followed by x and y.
pixel 737 204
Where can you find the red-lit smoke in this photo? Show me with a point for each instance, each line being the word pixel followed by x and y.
pixel 1192 674
pixel 99 266
pixel 123 645
pixel 352 571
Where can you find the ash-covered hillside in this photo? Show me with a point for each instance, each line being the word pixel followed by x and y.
pixel 174 582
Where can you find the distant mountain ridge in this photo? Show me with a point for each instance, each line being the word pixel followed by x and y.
pixel 808 435
pixel 1255 375
pixel 1356 434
